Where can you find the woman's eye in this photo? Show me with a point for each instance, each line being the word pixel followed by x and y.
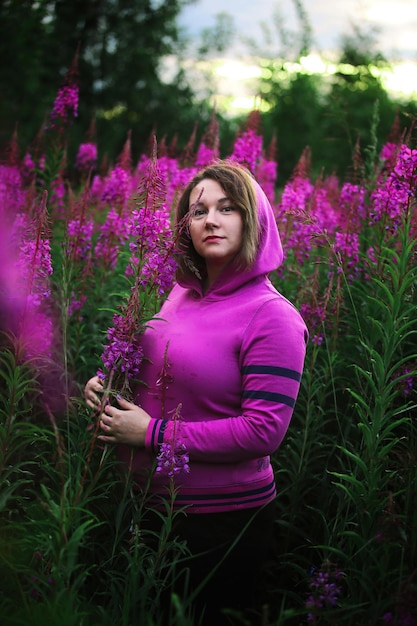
pixel 199 212
pixel 228 209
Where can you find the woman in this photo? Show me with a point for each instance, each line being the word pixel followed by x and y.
pixel 226 358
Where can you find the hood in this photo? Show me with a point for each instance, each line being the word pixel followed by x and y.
pixel 269 256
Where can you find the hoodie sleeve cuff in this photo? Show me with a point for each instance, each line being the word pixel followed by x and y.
pixel 155 435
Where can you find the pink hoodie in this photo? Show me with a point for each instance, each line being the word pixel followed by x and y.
pixel 229 363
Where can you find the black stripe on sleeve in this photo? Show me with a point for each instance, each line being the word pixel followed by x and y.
pixel 161 432
pixel 153 447
pixel 285 372
pixel 158 429
pixel 269 395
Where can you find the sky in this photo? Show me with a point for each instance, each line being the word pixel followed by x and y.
pixel 396 20
pixel 393 22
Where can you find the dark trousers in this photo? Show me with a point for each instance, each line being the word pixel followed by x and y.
pixel 229 552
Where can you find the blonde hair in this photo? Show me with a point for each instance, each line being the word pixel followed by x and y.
pixel 237 182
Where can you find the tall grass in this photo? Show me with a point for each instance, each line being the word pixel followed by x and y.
pixel 73 548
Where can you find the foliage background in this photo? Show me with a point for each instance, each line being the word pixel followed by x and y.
pixel 121 48
pixel 347 472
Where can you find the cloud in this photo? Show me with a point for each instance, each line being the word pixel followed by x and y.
pixel 395 20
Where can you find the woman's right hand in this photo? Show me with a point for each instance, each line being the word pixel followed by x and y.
pixel 92 388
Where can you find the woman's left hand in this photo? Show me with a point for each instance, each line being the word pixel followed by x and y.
pixel 127 424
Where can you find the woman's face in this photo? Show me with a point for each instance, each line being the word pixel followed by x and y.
pixel 216 226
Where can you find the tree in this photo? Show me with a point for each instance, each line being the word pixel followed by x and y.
pixel 295 97
pixel 355 98
pixel 332 115
pixel 121 44
pixel 295 117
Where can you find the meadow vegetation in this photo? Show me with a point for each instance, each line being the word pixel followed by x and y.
pixel 86 260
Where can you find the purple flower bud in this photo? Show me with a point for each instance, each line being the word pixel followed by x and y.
pixel 66 104
pixel 87 156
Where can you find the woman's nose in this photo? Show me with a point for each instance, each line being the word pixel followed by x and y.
pixel 212 218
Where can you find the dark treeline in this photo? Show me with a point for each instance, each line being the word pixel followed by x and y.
pixel 341 117
pixel 120 45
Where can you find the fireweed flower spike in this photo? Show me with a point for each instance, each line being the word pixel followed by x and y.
pixel 389 153
pixel 28 295
pixel 151 250
pixel 266 175
pixel 173 458
pixel 66 101
pixel 315 316
pixel 79 238
pixel 248 149
pixel 208 150
pixel 12 192
pixel 390 199
pixel 113 235
pixel 87 156
pixel 325 590
pixel 406 165
pixel 117 188
pixel 346 249
pixel 293 211
pixel 152 244
pixel 122 350
pixel 116 191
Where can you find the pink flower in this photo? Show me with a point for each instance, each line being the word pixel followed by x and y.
pixel 25 268
pixel 116 187
pixel 76 305
pixel 12 192
pixel 346 248
pixel 173 457
pixel 392 196
pixel 352 203
pixel 248 149
pixel 79 238
pixel 205 155
pixel 122 350
pixel 35 267
pixel 266 175
pixel 159 271
pixel 113 235
pixel 389 152
pixel 66 104
pixel 325 590
pixel 314 317
pixel 87 156
pixel 406 165
pixel 173 460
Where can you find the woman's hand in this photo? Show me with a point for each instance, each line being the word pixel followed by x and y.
pixel 92 388
pixel 127 424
